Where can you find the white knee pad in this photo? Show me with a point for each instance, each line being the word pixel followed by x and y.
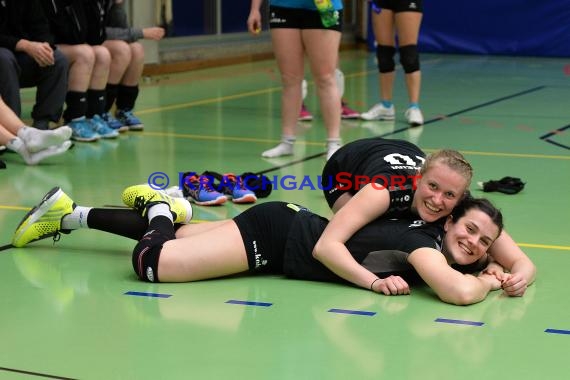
pixel 339 81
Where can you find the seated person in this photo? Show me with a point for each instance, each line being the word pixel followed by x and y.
pixel 34 145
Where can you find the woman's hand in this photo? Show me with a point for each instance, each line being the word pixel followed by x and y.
pixel 391 286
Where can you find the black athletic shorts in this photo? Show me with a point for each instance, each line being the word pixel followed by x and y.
pixel 400 5
pixel 264 229
pixel 295 18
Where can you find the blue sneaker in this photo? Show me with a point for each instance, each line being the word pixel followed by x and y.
pixel 114 123
pixel 235 187
pixel 126 117
pixel 102 128
pixel 82 130
pixel 199 190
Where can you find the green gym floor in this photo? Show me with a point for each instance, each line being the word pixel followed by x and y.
pixel 65 307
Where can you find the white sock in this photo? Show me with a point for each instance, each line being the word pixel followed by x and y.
pixel 159 209
pixel 304 88
pixel 17 145
pixel 37 140
pixel 77 219
pixel 285 148
pixel 35 158
pixel 332 146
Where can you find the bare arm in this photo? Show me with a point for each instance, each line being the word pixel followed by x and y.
pixel 450 285
pixel 521 269
pixel 254 19
pixel 368 204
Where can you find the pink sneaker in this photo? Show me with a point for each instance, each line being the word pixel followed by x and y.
pixel 305 115
pixel 348 113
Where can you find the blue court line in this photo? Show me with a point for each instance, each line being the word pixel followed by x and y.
pixel 355 312
pixel 144 294
pixel 547 136
pixel 554 331
pixel 249 303
pixel 459 322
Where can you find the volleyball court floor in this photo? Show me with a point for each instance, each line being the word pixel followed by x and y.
pixel 73 309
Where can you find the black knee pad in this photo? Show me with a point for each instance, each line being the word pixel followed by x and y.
pixel 146 255
pixel 385 55
pixel 409 58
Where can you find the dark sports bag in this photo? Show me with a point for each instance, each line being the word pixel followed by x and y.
pixel 506 185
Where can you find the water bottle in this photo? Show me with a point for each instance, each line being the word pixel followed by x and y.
pixel 329 16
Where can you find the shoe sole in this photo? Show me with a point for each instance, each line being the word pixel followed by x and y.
pixel 379 118
pixel 357 116
pixel 249 198
pixel 214 202
pixel 35 214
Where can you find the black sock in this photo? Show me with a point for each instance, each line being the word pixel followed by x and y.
pixel 122 222
pixel 112 90
pixel 95 102
pixel 126 97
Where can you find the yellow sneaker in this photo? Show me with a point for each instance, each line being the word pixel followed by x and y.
pixel 140 196
pixel 44 220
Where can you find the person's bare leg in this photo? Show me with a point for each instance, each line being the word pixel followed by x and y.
pixel 204 255
pixel 408 29
pixel 289 53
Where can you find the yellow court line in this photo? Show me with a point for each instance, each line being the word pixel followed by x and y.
pixel 209 101
pixel 221 138
pixel 558 247
pixel 248 139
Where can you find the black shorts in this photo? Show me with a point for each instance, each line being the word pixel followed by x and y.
pixel 397 6
pixel 295 18
pixel 264 229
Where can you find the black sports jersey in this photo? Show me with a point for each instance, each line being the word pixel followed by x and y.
pixel 391 164
pixel 382 246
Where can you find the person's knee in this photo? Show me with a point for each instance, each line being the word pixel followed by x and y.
pixel 147 254
pixel 409 58
pixel 102 56
pixel 7 60
pixel 385 55
pixel 137 53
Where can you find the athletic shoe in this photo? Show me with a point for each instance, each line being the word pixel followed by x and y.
pixel 304 114
pixel 114 123
pixel 128 119
pixel 199 190
pixel 82 130
pixel 414 116
pixel 379 112
pixel 44 220
pixel 347 112
pixel 235 187
pixel 140 197
pixel 100 126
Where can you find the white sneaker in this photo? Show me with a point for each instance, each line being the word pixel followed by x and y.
pixel 379 112
pixel 283 149
pixel 414 116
